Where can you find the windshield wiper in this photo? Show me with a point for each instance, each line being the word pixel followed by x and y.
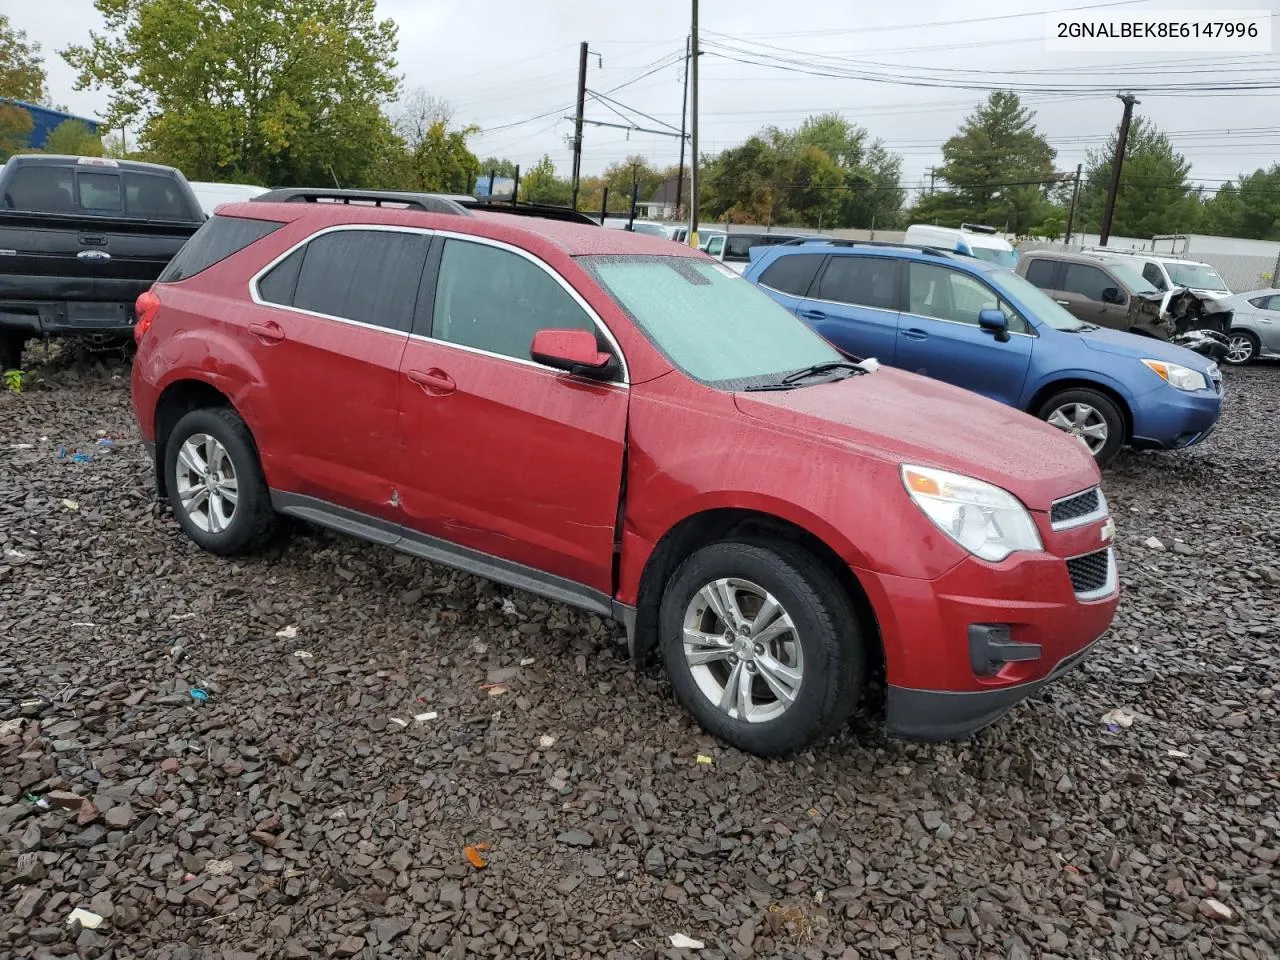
pixel 820 368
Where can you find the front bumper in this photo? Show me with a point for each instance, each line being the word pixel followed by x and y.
pixel 1170 419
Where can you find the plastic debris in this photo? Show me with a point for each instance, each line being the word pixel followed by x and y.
pixel 472 853
pixel 681 942
pixel 303 654
pixel 425 717
pixel 198 695
pixel 704 760
pixel 106 442
pixel 1215 909
pixel 1153 543
pixel 87 919
pixel 398 721
pixel 287 633
pixel 1119 717
pixel 546 741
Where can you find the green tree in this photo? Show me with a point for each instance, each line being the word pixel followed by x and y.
pixel 280 92
pixel 871 175
pixel 500 167
pixel 442 162
pixel 75 139
pixel 997 169
pixel 1250 210
pixel 1154 196
pixel 15 129
pixel 541 185
pixel 22 73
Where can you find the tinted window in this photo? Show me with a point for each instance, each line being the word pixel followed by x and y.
pixel 495 300
pixel 1087 281
pixel 1040 273
pixel 100 192
pixel 792 274
pixel 218 239
pixel 149 195
pixel 370 276
pixel 865 281
pixel 1267 303
pixel 42 189
pixel 946 294
pixel 279 284
pixel 1153 275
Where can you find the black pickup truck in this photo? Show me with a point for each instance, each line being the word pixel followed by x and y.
pixel 80 239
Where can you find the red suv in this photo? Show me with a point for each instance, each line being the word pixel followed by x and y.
pixel 617 422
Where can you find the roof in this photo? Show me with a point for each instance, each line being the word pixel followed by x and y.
pixel 1067 256
pixel 56 159
pixel 879 248
pixel 1147 255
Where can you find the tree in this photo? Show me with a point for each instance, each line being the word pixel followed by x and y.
pixel 871 176
pixel 1154 196
pixel 499 167
pixel 1250 210
pixel 15 129
pixel 441 161
pixel 74 138
pixel 279 92
pixel 22 75
pixel 998 167
pixel 541 185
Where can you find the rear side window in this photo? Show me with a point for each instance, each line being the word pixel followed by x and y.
pixel 1040 273
pixel 1267 303
pixel 216 240
pixel 41 190
pixel 864 281
pixel 100 192
pixel 1086 281
pixel 279 285
pixel 370 276
pixel 792 274
pixel 149 195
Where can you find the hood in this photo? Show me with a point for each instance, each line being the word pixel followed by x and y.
pixel 1121 344
pixel 900 417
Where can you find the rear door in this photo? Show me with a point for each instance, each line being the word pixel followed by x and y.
pixel 1266 318
pixel 854 305
pixel 1082 288
pixel 328 328
pixel 939 334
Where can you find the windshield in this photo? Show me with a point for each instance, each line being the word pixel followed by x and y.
pixel 654 229
pixel 1042 307
pixel 1199 275
pixel 1131 278
pixel 708 321
pixel 1005 258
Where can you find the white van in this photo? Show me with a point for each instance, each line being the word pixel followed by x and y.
pixel 971 239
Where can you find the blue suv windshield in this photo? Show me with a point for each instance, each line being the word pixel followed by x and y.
pixel 1042 307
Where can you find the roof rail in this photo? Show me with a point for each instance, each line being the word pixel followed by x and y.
pixel 427 202
pixel 978 228
pixel 840 242
pixel 545 210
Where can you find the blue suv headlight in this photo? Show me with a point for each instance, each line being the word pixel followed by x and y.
pixel 1176 375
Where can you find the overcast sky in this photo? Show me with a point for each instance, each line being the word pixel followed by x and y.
pixel 502 63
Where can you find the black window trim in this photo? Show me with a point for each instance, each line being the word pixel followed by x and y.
pixel 813 281
pixel 898 295
pixel 1000 298
pixel 433 263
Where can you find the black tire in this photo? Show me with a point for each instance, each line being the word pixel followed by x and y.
pixel 1104 405
pixel 825 627
pixel 11 345
pixel 253 521
pixel 1246 336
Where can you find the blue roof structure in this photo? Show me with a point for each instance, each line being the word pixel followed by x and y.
pixel 45 119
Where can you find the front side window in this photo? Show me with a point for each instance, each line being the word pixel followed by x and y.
pixel 946 294
pixel 100 192
pixel 712 324
pixel 792 274
pixel 861 281
pixel 1042 307
pixel 1086 281
pixel 1151 273
pixel 715 245
pixel 1040 273
pixel 495 300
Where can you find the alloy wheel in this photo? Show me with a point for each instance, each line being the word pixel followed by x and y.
pixel 1239 349
pixel 1082 421
pixel 207 488
pixel 743 650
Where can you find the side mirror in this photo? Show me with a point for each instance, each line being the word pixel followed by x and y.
pixel 573 351
pixel 1112 295
pixel 994 322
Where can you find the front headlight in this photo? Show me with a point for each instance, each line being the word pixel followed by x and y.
pixel 1176 375
pixel 988 522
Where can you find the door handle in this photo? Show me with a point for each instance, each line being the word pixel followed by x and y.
pixel 269 332
pixel 1064 303
pixel 914 333
pixel 1264 319
pixel 93 241
pixel 434 382
pixel 813 315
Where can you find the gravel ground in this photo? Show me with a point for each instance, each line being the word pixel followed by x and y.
pixel 217 786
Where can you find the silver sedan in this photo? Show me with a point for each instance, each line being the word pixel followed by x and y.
pixel 1255 326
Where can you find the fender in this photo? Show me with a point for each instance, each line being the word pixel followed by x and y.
pixel 1122 390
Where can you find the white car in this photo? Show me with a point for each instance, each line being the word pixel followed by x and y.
pixel 1255 326
pixel 213 195
pixel 1164 273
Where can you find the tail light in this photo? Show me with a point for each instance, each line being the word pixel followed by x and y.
pixel 146 307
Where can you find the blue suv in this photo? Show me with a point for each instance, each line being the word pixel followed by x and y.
pixel 979 326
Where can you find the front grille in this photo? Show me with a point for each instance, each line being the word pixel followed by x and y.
pixel 1090 572
pixel 1073 508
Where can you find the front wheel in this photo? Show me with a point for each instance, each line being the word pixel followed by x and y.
pixel 1242 348
pixel 1089 416
pixel 761 645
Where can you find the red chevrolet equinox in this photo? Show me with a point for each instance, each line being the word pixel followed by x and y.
pixel 618 422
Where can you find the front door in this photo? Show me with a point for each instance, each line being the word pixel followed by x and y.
pixel 939 336
pixel 855 305
pixel 503 458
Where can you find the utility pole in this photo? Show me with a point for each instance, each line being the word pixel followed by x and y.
pixel 693 131
pixel 577 123
pixel 932 176
pixel 1116 163
pixel 1075 196
pixel 684 113
pixel 635 189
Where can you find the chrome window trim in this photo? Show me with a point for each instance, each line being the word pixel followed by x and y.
pixel 1107 588
pixel 257 298
pixel 1097 514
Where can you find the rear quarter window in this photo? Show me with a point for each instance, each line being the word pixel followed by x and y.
pixel 793 273
pixel 217 239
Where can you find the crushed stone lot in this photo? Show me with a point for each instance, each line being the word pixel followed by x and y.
pixel 287 755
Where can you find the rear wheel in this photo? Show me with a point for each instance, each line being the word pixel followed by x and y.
pixel 215 482
pixel 761 645
pixel 1242 348
pixel 1091 417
